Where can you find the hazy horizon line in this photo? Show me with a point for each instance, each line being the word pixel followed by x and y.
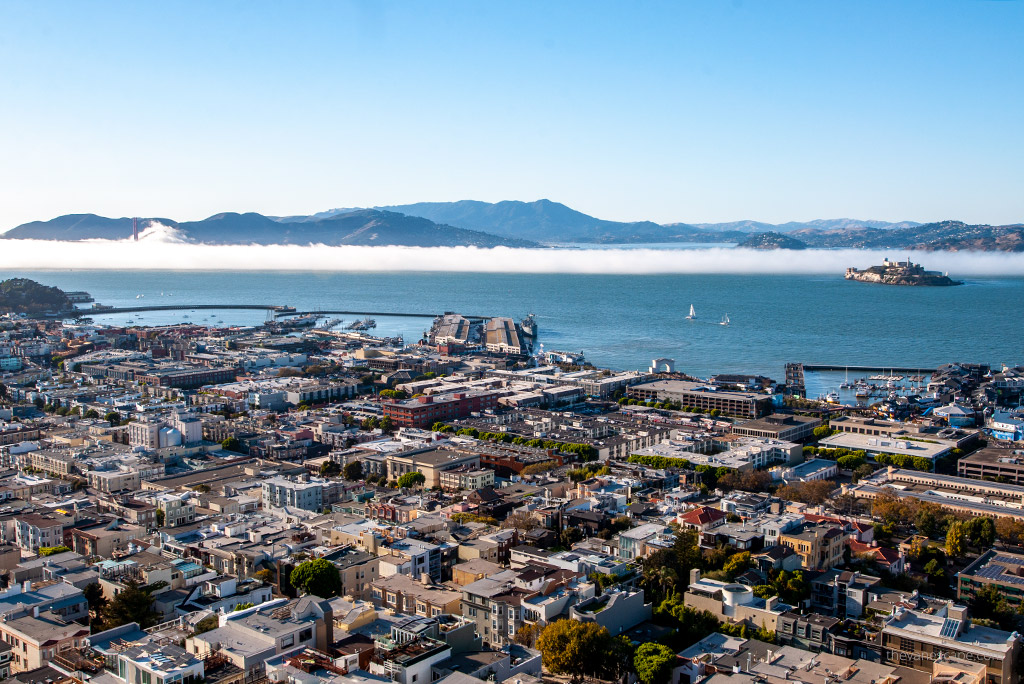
pixel 160 249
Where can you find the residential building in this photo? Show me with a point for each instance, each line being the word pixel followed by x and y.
pixel 178 509
pixel 813 632
pixel 224 593
pixel 36 639
pixel 248 637
pixel 155 663
pixel 304 492
pixel 641 540
pixel 916 639
pixel 431 462
pixel 819 546
pixel 616 611
pixel 734 603
pixel 843 594
pixel 36 530
pixel 413 597
pixel 466 477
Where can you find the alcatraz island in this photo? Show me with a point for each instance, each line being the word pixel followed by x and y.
pixel 900 273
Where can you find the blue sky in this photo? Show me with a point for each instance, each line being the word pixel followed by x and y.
pixel 674 111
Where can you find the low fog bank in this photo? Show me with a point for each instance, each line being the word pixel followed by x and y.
pixel 161 248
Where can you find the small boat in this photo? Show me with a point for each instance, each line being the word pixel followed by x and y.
pixel 832 397
pixel 725 320
pixel 693 314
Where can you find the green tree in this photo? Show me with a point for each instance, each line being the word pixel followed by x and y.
pixel 527 634
pixel 353 470
pixel 653 663
pixel 160 517
pixel 97 601
pixel 956 538
pixel 821 432
pixel 91 413
pixel 410 480
pixel 329 469
pixel 318 577
pixel 231 444
pixel 387 425
pixel 266 575
pixel 737 564
pixel 243 606
pixel 133 604
pixel 569 536
pixel 850 461
pixel 577 649
pixel 113 417
pixel 982 532
pixel 208 623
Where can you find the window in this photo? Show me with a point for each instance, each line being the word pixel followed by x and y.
pixel 306 634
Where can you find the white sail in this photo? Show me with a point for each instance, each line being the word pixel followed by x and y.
pixel 693 314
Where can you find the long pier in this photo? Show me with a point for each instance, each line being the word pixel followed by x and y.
pixel 174 307
pixel 278 310
pixel 332 312
pixel 867 369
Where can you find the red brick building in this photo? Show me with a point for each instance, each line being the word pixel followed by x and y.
pixel 422 412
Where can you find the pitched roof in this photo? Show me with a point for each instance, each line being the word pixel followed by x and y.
pixel 701 516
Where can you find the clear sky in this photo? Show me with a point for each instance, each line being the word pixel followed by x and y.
pixel 676 111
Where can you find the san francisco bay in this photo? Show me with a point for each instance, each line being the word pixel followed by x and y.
pixel 621 321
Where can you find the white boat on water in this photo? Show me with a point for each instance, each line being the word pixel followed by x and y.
pixel 693 314
pixel 725 320
pixel 832 397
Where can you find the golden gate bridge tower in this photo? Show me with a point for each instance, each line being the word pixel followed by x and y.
pixel 135 228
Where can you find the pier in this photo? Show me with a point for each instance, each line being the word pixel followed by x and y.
pixel 277 309
pixel 333 312
pixel 906 370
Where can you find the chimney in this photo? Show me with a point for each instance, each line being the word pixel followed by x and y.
pixel 694 575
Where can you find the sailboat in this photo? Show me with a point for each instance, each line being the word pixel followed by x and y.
pixel 693 314
pixel 725 320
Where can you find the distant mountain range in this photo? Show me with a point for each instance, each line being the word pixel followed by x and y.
pixel 359 227
pixel 528 224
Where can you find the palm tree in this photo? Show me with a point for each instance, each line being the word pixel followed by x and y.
pixel 667 577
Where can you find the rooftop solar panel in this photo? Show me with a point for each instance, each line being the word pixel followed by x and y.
pixel 949 628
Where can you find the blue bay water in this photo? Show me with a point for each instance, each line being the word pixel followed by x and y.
pixel 624 321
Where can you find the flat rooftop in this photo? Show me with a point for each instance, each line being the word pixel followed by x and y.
pixel 885 445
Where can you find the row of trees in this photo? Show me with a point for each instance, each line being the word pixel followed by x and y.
pixel 586 452
pixel 668 405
